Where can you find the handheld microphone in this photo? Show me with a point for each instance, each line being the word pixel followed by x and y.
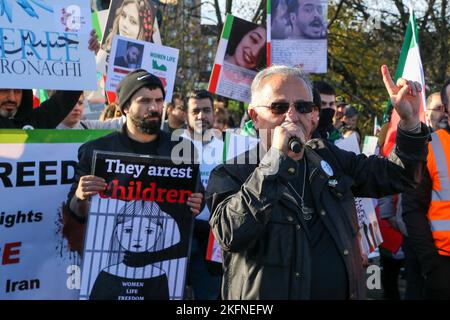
pixel 295 145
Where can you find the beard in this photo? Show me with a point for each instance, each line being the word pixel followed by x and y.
pixel 200 126
pixel 145 125
pixel 8 113
pixel 442 124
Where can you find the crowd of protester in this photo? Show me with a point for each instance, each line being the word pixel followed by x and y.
pixel 413 209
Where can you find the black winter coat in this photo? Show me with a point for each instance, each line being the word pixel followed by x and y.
pixel 266 251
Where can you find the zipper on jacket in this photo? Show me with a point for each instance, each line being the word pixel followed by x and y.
pixel 312 174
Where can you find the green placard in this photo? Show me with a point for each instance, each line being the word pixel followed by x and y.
pixel 50 135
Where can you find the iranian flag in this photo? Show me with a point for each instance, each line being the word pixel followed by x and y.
pixel 410 68
pixel 220 55
pixel 269 28
pixel 39 96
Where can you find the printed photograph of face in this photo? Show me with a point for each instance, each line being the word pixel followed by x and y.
pixel 308 19
pixel 128 54
pixel 129 18
pixel 281 27
pixel 247 45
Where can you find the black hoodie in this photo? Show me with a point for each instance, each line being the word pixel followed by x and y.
pixel 47 116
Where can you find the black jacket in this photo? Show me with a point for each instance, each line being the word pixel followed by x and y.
pixel 47 116
pixel 266 251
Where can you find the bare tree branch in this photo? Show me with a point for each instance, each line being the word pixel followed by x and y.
pixel 336 14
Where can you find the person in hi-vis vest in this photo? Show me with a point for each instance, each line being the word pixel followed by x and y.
pixel 426 211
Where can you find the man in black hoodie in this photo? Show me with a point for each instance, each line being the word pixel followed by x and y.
pixel 16 105
pixel 325 127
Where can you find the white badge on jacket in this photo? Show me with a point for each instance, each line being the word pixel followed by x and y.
pixel 327 168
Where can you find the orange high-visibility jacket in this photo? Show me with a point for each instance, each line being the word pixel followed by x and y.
pixel 438 163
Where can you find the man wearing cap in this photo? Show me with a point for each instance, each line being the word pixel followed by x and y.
pixel 141 97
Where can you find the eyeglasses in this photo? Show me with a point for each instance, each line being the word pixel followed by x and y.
pixel 440 108
pixel 301 106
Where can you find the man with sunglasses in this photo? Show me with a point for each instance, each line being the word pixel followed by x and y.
pixel 426 210
pixel 287 221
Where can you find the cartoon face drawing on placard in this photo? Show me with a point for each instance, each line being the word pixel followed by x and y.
pixel 139 234
pixel 140 227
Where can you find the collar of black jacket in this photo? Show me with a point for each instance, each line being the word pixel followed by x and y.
pixel 164 142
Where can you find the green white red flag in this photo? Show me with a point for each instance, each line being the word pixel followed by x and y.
pixel 410 68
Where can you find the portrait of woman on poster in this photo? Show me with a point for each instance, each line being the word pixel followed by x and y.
pixel 247 45
pixel 139 227
pixel 133 19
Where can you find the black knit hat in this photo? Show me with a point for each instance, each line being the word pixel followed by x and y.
pixel 134 81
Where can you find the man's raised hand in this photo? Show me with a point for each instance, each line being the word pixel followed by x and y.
pixel 405 97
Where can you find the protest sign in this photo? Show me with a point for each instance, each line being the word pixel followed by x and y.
pixel 139 229
pixel 134 19
pixel 128 55
pixel 369 230
pixel 213 251
pixel 46 45
pixel 37 168
pixel 241 53
pixel 370 145
pixel 297 34
pixel 129 18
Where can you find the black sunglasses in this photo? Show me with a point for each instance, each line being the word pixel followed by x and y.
pixel 301 106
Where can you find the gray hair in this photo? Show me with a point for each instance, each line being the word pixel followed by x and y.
pixel 278 70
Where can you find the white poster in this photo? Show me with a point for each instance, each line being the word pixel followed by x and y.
pixel 128 55
pixel 240 55
pixel 37 168
pixel 370 145
pixel 44 44
pixel 369 230
pixel 298 34
pixel 133 19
